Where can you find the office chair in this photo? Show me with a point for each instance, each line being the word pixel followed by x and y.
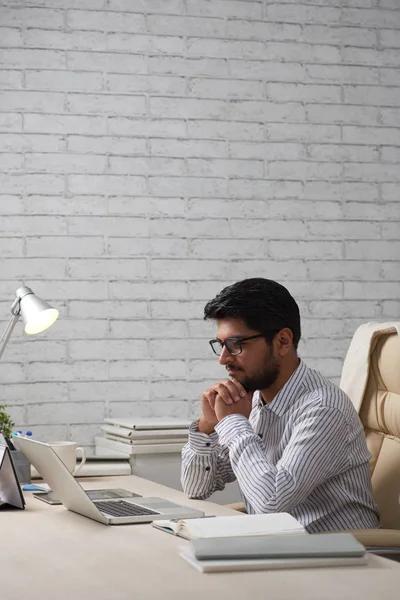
pixel 376 396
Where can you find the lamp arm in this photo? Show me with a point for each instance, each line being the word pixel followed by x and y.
pixel 7 333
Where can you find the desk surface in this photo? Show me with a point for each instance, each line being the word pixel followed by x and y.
pixel 50 553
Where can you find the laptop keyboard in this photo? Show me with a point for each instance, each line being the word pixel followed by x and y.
pixel 119 508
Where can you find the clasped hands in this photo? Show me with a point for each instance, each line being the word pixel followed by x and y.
pixel 222 399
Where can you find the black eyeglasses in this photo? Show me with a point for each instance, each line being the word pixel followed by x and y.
pixel 232 344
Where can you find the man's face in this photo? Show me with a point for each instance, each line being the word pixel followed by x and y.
pixel 257 366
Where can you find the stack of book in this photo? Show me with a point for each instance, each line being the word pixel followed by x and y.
pixel 143 436
pixel 260 542
pixel 275 552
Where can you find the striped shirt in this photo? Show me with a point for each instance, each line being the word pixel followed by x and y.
pixel 303 453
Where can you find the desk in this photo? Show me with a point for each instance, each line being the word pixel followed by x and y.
pixel 49 553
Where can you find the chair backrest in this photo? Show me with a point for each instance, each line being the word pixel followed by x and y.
pixel 380 415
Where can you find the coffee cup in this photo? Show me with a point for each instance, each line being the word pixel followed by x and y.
pixel 68 452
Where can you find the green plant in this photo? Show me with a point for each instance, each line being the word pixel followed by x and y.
pixel 6 423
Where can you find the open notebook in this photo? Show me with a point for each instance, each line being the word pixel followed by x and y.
pixel 222 527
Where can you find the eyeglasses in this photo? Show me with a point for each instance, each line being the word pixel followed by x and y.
pixel 232 344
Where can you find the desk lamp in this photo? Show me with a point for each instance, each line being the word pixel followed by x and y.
pixel 37 315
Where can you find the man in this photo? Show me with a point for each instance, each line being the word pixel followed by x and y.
pixel 290 437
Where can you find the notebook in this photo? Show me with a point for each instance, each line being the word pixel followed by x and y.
pixel 274 552
pixel 228 527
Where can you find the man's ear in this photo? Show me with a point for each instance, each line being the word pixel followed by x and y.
pixel 284 341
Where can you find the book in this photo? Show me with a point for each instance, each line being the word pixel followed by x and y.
pixel 98 466
pixel 274 552
pixel 263 564
pixel 122 448
pixel 145 434
pixel 229 527
pixel 143 442
pixel 323 545
pixel 149 423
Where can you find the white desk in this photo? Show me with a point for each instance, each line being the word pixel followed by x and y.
pixel 49 553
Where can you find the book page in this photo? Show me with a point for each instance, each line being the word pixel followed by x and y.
pixel 169 526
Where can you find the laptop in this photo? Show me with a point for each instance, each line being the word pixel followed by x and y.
pixel 120 511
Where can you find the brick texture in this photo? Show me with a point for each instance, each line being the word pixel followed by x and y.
pixel 155 151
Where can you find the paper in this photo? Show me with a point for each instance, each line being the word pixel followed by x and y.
pixel 33 487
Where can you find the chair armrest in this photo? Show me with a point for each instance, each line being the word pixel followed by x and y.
pixel 237 506
pixel 378 538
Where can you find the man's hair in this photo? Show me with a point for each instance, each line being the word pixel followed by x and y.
pixel 264 305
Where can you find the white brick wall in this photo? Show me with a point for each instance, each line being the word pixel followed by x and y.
pixel 153 151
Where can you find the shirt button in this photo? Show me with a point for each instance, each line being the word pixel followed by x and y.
pixel 208 444
pixel 208 468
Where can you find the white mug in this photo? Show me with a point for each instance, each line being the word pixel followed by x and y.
pixel 68 451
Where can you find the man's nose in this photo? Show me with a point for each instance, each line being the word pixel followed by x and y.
pixel 225 357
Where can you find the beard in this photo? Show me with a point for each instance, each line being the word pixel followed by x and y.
pixel 261 379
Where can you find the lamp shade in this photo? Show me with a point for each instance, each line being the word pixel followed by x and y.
pixel 37 314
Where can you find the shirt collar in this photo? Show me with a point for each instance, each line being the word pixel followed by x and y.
pixel 286 395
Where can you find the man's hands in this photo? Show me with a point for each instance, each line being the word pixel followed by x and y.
pixel 222 399
pixel 242 407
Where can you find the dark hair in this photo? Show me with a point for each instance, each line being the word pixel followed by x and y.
pixel 263 304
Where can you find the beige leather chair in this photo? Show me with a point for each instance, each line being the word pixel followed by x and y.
pixel 378 403
pixel 379 410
